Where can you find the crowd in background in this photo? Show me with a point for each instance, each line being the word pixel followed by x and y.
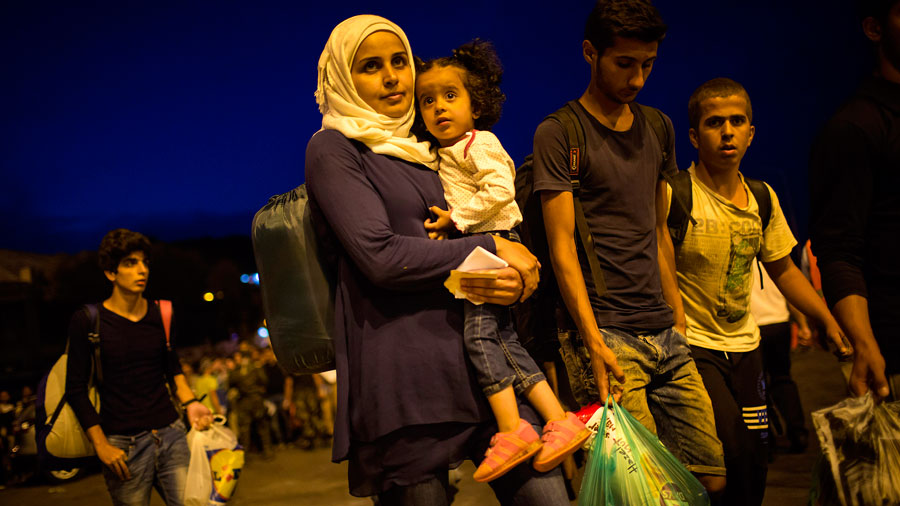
pixel 264 406
pixel 11 413
pixel 267 408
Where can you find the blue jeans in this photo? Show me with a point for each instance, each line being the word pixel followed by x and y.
pixel 158 458
pixel 493 347
pixel 663 390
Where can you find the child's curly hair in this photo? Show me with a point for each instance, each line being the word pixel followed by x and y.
pixel 483 73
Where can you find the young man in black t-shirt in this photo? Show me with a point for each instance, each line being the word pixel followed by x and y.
pixel 137 433
pixel 636 330
pixel 854 210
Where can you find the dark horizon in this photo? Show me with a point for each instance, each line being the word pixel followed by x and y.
pixel 180 121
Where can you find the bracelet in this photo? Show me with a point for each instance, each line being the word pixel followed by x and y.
pixel 186 404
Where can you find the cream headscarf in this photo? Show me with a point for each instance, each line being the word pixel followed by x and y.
pixel 343 110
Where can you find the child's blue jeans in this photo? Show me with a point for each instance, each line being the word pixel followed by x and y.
pixel 499 359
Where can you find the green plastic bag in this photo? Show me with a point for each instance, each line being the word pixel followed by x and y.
pixel 629 466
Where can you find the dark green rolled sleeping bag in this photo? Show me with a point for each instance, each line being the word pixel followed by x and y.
pixel 297 283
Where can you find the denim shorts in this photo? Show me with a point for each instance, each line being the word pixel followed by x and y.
pixel 662 390
pixel 156 459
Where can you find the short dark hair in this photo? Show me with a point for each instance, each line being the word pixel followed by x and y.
pixel 718 87
pixel 482 74
pixel 118 244
pixel 633 19
pixel 878 9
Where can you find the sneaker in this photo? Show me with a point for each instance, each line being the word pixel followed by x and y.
pixel 507 450
pixel 561 438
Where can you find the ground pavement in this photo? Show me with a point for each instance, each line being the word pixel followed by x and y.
pixel 298 477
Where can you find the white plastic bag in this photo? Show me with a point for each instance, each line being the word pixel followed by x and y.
pixel 860 453
pixel 216 463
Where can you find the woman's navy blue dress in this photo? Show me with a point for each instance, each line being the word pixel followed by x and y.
pixel 408 403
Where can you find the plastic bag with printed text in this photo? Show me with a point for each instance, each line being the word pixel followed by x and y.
pixel 860 458
pixel 628 465
pixel 216 463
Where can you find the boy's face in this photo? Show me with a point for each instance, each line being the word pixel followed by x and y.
pixel 724 132
pixel 622 70
pixel 445 104
pixel 132 274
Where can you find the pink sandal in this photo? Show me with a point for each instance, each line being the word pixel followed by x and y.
pixel 507 450
pixel 561 438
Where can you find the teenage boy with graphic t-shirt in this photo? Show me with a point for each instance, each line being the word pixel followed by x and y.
pixel 635 330
pixel 713 265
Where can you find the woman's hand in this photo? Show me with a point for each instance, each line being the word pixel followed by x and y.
pixel 519 258
pixel 503 290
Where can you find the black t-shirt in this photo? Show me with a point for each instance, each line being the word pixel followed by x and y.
pixel 618 191
pixel 854 172
pixel 136 366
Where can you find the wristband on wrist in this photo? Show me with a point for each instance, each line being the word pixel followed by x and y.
pixel 187 403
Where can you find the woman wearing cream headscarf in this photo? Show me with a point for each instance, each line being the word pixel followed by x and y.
pixel 409 409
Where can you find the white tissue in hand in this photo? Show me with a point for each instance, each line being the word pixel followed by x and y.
pixel 479 259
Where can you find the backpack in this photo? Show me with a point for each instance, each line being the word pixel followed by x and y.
pixel 536 322
pixel 679 215
pixel 61 441
pixel 297 281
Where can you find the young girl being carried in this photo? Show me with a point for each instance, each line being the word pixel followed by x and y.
pixel 459 99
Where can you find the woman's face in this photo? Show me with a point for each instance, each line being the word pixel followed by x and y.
pixel 382 74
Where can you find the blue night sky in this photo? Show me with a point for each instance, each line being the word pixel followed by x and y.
pixel 181 119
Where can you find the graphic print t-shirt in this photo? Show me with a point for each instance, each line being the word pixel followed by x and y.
pixel 714 266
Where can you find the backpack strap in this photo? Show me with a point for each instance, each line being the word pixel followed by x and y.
pixel 680 206
pixel 96 369
pixel 764 202
pixel 763 199
pixel 93 315
pixel 574 130
pixel 575 139
pixel 658 124
pixel 165 310
pixel 682 200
